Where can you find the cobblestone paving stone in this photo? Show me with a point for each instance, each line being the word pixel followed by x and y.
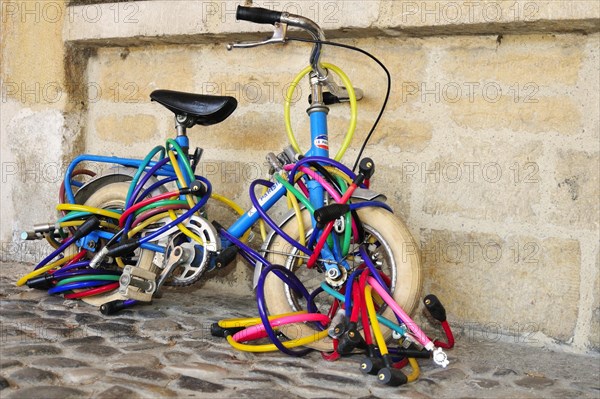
pixel 57 348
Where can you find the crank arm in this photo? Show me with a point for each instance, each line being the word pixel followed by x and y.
pixel 178 256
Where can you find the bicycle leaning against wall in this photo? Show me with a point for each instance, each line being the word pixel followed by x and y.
pixel 124 233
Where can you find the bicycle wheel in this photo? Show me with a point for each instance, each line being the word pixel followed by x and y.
pixel 111 195
pixel 390 246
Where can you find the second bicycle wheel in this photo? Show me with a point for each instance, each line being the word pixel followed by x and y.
pixel 390 246
pixel 108 195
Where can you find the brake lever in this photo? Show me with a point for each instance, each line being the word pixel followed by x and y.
pixel 279 35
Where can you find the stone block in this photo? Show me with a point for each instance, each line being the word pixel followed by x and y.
pixel 405 58
pixel 513 285
pixel 130 75
pixel 481 179
pixel 126 130
pixel 252 130
pixel 401 135
pixel 469 15
pixel 33 180
pixel 516 60
pixel 32 57
pixel 387 181
pixel 165 21
pixel 595 322
pixel 575 190
pixel 529 112
pixel 251 88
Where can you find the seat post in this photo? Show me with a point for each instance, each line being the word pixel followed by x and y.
pixel 181 122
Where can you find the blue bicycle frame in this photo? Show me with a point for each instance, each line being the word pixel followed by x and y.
pixel 319 147
pixel 127 162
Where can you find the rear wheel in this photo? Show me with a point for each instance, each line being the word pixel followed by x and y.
pixel 390 246
pixel 111 196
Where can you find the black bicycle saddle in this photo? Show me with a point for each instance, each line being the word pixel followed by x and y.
pixel 205 109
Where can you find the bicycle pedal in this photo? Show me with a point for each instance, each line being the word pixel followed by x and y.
pixel 142 281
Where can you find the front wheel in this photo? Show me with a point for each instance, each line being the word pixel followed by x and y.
pixel 388 243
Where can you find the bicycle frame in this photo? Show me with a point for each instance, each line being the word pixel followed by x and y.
pixel 319 147
pixel 127 162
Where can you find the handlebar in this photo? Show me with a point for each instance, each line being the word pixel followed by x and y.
pixel 264 16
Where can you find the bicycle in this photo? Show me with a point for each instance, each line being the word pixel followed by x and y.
pixel 143 224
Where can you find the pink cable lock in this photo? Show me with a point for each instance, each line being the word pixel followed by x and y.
pixel 258 331
pixel 412 326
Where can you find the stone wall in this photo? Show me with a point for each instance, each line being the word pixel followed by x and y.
pixel 489 149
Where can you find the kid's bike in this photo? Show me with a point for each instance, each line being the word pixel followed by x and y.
pixel 142 224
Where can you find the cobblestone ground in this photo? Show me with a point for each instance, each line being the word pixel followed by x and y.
pixel 56 348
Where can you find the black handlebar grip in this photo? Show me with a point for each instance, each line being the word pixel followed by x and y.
pixel 258 15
